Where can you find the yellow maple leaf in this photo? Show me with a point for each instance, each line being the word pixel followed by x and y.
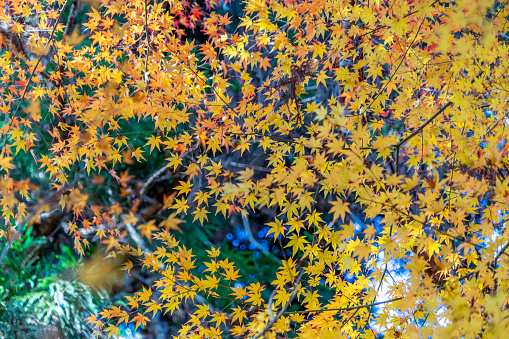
pixel 200 214
pixel 339 208
pixel 75 38
pixel 5 163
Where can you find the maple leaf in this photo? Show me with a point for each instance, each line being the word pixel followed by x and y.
pixel 239 314
pixel 245 174
pixel 127 266
pixel 202 197
pixel 100 233
pixel 181 205
pixel 297 242
pixel 20 145
pixel 5 163
pixel 276 228
pixel 171 223
pixel 40 48
pixel 34 110
pixel 154 307
pixel 112 242
pixel 112 330
pixel 200 214
pixel 140 319
pixel 75 38
pixel 147 229
pixel 203 311
pixel 154 142
pixel 144 294
pixel 231 274
pixel 137 154
pixel 265 63
pixel 168 200
pixel 174 161
pixel 129 218
pixel 339 208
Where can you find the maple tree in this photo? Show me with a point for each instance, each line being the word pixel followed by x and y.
pixel 370 135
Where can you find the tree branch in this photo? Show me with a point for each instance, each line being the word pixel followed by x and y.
pixel 247 228
pixel 345 308
pixel 154 176
pixel 414 133
pixel 283 310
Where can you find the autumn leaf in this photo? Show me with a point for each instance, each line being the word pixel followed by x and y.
pixel 368 139
pixel 171 223
pixel 140 319
pixel 339 208
pixel 75 38
pixel 154 142
pixel 200 214
pixel 6 163
pixel 127 266
pixel 276 228
pixel 147 229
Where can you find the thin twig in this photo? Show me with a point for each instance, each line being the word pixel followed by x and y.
pixel 501 252
pixel 271 300
pixel 283 310
pixel 256 168
pixel 414 133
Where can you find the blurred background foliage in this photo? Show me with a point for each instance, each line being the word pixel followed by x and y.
pixel 40 295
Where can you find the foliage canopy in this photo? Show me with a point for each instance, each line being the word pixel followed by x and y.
pixel 368 138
